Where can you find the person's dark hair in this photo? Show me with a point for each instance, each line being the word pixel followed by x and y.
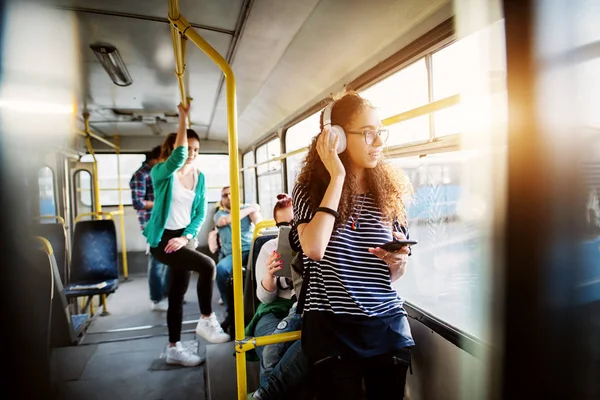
pixel 387 186
pixel 153 154
pixel 283 201
pixel 167 146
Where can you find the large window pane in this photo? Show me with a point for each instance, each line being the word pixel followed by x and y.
pixel 249 178
pixel 269 186
pixel 215 168
pixel 46 192
pixel 301 134
pixel 402 91
pixel 413 130
pixel 445 276
pixel 83 188
pixel 267 152
pixel 108 179
pixel 294 163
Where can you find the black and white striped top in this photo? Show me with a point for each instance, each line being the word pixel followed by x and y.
pixel 348 279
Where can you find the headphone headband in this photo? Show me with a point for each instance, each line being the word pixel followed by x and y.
pixel 327 114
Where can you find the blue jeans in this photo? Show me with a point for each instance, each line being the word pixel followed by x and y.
pixel 158 279
pixel 224 268
pixel 286 379
pixel 273 353
pixel 283 366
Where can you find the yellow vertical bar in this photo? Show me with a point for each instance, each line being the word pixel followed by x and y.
pixel 182 25
pixel 121 210
pixel 88 142
pixel 95 183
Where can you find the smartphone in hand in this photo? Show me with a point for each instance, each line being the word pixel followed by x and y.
pixel 396 245
pixel 285 249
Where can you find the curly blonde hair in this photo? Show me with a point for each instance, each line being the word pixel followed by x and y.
pixel 387 185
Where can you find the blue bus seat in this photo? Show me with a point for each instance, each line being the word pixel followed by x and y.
pixel 66 329
pixel 35 305
pixel 94 262
pixel 56 234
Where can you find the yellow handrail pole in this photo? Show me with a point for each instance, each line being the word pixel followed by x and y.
pixel 184 27
pixel 264 224
pixel 56 217
pixel 88 143
pixel 179 52
pixel 95 183
pixel 45 244
pixel 94 136
pixel 98 214
pixel 252 343
pixel 121 214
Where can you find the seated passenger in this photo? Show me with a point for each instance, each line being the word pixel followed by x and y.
pixel 249 215
pixel 179 210
pixel 282 366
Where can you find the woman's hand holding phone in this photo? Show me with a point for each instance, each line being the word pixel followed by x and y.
pixel 396 260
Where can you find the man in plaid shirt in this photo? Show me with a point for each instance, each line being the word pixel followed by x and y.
pixel 142 197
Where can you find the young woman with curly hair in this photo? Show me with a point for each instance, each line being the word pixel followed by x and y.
pixel 355 328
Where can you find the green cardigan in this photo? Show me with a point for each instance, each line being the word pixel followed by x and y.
pixel 280 307
pixel 162 180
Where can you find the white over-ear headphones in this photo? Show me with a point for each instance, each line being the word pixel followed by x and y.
pixel 338 130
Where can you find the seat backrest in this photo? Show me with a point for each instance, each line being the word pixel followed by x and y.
pixel 94 258
pixel 251 302
pixel 57 236
pixel 36 301
pixel 62 333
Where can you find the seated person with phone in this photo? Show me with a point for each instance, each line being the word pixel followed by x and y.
pixel 277 312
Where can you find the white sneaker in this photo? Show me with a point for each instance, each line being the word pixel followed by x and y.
pixel 209 329
pixel 162 305
pixel 179 355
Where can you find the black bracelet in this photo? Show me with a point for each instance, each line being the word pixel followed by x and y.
pixel 328 211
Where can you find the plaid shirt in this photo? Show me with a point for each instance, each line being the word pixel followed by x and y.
pixel 141 191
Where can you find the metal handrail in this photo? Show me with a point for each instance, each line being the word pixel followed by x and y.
pixel 181 28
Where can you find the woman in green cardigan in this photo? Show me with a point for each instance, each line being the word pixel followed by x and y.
pixel 179 211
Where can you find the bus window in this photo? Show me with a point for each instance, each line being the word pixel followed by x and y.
pixel 83 190
pixel 249 178
pixel 269 176
pixel 404 90
pixel 446 274
pixel 297 137
pixel 46 192
pixel 215 168
pixel 108 178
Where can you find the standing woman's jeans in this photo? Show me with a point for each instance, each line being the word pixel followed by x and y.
pixel 180 264
pixel 158 279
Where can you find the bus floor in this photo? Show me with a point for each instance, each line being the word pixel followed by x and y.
pixel 120 355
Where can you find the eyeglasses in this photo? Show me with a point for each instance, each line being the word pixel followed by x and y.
pixel 225 195
pixel 371 134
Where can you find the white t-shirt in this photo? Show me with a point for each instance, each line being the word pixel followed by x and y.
pixel 180 212
pixel 260 268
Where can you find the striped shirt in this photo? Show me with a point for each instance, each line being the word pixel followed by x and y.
pixel 349 280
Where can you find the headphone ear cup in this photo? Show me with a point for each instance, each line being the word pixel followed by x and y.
pixel 339 131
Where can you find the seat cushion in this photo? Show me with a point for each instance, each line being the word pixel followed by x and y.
pixel 77 290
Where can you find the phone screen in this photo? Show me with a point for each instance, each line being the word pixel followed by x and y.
pixel 285 249
pixel 396 245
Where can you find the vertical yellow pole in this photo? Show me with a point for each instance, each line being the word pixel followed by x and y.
pixel 121 210
pixel 180 23
pixel 95 183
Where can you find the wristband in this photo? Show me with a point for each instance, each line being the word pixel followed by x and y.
pixel 328 211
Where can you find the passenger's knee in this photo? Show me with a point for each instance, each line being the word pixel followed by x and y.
pixel 222 272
